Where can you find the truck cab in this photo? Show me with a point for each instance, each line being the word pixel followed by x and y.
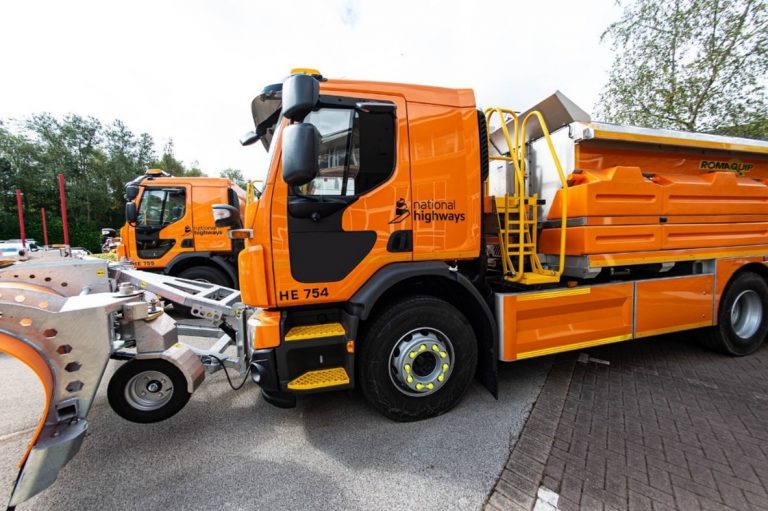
pixel 371 203
pixel 170 227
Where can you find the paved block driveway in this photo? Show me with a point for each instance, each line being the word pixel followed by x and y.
pixel 667 425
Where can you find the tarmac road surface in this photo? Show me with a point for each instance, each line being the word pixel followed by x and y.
pixel 231 450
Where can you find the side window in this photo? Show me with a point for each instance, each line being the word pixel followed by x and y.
pixel 162 206
pixel 357 151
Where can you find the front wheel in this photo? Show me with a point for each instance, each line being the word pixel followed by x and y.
pixel 147 390
pixel 417 359
pixel 743 317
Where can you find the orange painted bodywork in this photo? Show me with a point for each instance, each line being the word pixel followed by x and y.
pixel 670 305
pixel 644 238
pixel 197 224
pixel 441 154
pixel 659 212
pixel 543 322
pixel 266 329
pixel 630 258
pixel 595 155
pixel 253 276
pixel 681 219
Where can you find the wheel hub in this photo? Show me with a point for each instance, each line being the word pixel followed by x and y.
pixel 149 390
pixel 746 314
pixel 421 362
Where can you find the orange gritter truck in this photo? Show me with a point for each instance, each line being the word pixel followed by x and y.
pixel 404 243
pixel 170 227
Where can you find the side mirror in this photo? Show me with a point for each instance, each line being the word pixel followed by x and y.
pixel 300 95
pixel 225 215
pixel 130 212
pixel 249 138
pixel 131 191
pixel 301 146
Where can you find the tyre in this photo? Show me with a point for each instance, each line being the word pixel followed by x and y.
pixel 417 359
pixel 743 317
pixel 149 390
pixel 201 274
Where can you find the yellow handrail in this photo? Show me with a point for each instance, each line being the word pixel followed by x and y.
pixel 525 230
pixel 563 181
pixel 519 187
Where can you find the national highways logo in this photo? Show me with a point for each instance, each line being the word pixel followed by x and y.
pixel 428 211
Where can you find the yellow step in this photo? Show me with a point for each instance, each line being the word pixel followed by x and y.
pixel 530 279
pixel 320 379
pixel 303 333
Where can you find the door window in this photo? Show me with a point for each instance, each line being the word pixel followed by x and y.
pixel 162 206
pixel 357 151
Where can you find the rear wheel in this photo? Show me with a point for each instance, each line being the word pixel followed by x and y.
pixel 148 390
pixel 417 359
pixel 201 274
pixel 743 317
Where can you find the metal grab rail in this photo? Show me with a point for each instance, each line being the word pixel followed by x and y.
pixel 563 182
pixel 526 237
pixel 519 190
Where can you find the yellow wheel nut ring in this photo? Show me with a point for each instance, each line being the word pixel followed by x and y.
pixel 421 362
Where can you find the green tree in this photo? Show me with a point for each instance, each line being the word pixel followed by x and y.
pixel 174 167
pixel 96 161
pixel 127 156
pixel 696 65
pixel 234 175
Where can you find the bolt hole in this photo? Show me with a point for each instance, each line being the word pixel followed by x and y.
pixel 75 386
pixel 32 276
pixel 64 349
pixel 50 332
pixel 64 284
pixel 47 279
pixel 72 367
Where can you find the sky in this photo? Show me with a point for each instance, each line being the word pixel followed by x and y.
pixel 188 70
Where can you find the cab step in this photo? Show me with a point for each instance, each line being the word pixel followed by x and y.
pixel 308 332
pixel 319 379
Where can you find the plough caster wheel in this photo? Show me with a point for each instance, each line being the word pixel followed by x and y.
pixel 147 390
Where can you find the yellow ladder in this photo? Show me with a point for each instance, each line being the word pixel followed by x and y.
pixel 517 214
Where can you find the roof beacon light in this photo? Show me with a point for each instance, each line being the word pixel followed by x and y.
pixel 307 71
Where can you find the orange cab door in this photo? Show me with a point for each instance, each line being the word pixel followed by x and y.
pixel 330 235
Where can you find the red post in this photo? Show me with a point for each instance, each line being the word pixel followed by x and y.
pixel 63 198
pixel 45 227
pixel 21 219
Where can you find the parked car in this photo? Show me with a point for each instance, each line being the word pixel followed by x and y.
pixel 32 245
